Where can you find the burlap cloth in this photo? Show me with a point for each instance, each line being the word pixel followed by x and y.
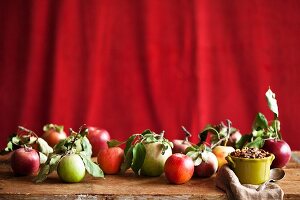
pixel 229 182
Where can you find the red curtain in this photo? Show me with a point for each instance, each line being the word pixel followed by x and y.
pixel 131 65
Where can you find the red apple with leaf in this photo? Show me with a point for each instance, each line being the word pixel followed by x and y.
pixel 181 145
pixel 266 134
pixel 208 167
pixel 27 150
pixel 179 168
pixel 205 162
pixel 98 139
pixel 53 134
pixel 25 161
pixel 280 149
pixel 111 159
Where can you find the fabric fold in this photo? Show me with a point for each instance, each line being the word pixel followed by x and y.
pixel 227 181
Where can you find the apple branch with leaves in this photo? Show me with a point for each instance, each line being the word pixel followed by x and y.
pixel 28 139
pixel 220 133
pixel 135 150
pixel 76 143
pixel 198 153
pixel 263 129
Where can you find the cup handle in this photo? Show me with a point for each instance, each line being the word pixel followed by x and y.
pixel 230 161
pixel 272 158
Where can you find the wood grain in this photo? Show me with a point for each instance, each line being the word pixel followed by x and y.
pixel 127 186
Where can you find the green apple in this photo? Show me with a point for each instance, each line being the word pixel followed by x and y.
pixel 154 160
pixel 71 169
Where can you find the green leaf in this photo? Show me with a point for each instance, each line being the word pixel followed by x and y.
pixel 193 154
pixel 197 161
pixel 54 127
pixel 43 174
pixel 258 143
pixel 242 142
pixel 223 132
pixel 259 133
pixel 279 136
pixel 205 156
pixel 166 144
pixel 276 125
pixel 47 168
pixel 147 132
pixel 149 138
pixel 83 131
pixel 139 153
pixel 44 147
pixel 190 148
pixel 77 145
pixel 54 161
pixel 114 143
pixel 272 102
pixel 16 140
pixel 8 148
pixel 128 160
pixel 43 158
pixel 129 143
pixel 260 122
pixel 32 140
pixel 86 146
pixel 59 147
pixel 203 134
pixel 91 167
pixel 207 148
pixel 201 148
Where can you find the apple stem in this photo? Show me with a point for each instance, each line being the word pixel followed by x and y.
pixel 187 134
pixel 161 135
pixel 74 140
pixel 276 127
pixel 27 131
pixel 27 148
pixel 228 131
pixel 219 142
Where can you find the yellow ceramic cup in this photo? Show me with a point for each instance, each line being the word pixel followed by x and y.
pixel 251 170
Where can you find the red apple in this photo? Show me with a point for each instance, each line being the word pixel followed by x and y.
pixel 234 138
pixel 280 149
pixel 179 168
pixel 207 168
pixel 98 139
pixel 180 146
pixel 53 134
pixel 110 159
pixel 25 161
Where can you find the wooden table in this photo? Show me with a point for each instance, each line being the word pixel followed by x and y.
pixel 128 186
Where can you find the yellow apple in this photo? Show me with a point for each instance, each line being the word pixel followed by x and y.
pixel 221 152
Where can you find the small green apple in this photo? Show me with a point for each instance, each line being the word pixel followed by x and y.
pixel 154 160
pixel 71 169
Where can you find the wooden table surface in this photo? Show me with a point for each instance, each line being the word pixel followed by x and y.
pixel 128 186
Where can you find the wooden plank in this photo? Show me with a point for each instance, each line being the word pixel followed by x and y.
pixel 127 186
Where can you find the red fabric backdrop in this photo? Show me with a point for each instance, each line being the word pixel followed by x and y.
pixel 131 65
